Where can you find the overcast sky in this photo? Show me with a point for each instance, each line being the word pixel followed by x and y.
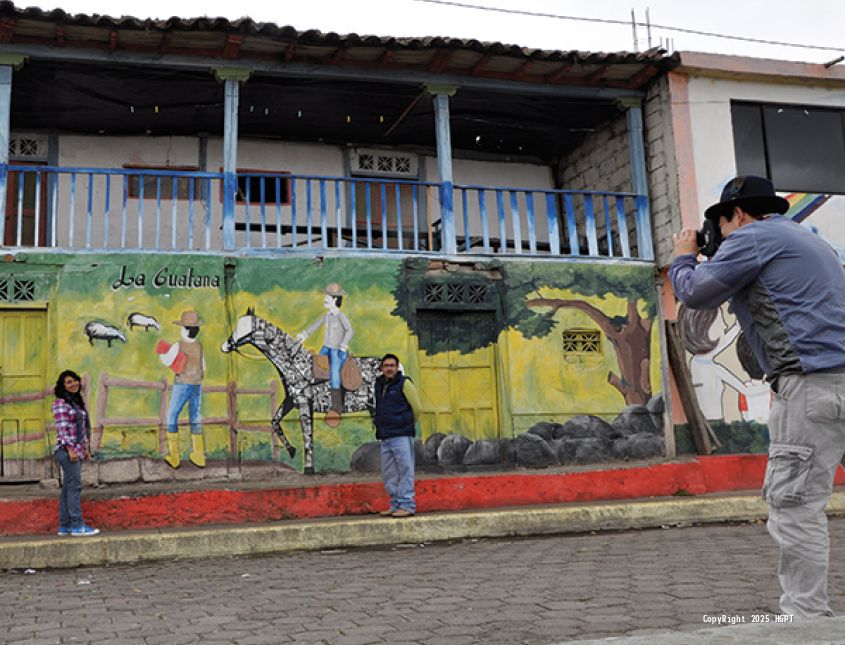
pixel 808 22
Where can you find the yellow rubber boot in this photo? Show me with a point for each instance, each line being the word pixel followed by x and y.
pixel 172 456
pixel 197 454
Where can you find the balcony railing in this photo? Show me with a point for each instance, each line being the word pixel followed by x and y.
pixel 171 210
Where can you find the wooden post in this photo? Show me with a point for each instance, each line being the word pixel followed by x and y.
pixel 102 400
pixel 275 442
pixel 162 419
pixel 440 95
pixel 702 434
pixel 231 79
pixel 232 413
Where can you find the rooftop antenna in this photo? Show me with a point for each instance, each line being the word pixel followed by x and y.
pixel 634 28
pixel 648 25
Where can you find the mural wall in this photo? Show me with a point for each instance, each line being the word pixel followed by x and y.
pixel 201 366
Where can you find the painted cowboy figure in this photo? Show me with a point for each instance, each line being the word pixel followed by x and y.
pixel 187 360
pixel 336 336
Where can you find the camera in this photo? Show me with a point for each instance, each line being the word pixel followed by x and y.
pixel 708 238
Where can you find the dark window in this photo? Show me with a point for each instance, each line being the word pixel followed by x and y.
pixel 748 140
pixel 801 149
pixel 276 188
pixel 159 187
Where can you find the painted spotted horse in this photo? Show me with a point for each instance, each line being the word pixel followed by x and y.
pixel 296 370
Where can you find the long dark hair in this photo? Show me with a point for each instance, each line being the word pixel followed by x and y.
pixel 62 393
pixel 695 329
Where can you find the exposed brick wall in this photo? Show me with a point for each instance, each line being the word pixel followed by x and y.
pixel 600 162
pixel 662 169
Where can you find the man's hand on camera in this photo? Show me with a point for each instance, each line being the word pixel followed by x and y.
pixel 685 243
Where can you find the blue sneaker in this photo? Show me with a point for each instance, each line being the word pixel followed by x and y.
pixel 84 530
pixel 63 530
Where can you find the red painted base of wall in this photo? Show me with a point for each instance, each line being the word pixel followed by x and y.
pixel 704 475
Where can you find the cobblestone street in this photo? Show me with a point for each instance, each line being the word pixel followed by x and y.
pixel 528 591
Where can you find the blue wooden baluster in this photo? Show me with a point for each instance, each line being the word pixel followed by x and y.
pixel 338 213
pixel 590 217
pixel 482 207
pixel 191 213
pixel 503 236
pixel 72 209
pixel 262 192
pixel 308 212
pixel 608 226
pixel 36 238
pixel 174 212
pixel 383 192
pixel 158 212
pixel 465 214
pixel 353 196
pixel 551 223
pixel 248 199
pixel 208 213
pixel 622 226
pixel 532 229
pixel 416 211
pixel 645 244
pixel 293 211
pixel 123 216
pixel 140 211
pixel 324 228
pixel 54 208
pixel 516 221
pixel 279 212
pixel 106 227
pixel 398 216
pixel 369 215
pixel 89 215
pixel 571 226
pixel 20 178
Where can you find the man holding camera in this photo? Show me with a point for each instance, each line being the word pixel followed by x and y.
pixel 786 287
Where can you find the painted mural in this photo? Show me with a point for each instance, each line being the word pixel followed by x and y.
pixel 822 213
pixel 203 366
pixel 729 385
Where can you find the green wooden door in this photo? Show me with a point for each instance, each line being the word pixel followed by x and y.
pixel 25 409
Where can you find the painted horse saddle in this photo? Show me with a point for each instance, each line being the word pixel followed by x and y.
pixel 350 373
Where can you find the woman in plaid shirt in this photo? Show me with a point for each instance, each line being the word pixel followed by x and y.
pixel 72 429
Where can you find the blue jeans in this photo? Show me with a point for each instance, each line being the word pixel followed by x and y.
pixel 185 393
pixel 70 497
pixel 397 471
pixel 336 360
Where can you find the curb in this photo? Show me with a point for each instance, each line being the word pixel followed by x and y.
pixel 332 533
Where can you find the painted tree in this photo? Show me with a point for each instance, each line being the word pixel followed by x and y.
pixel 524 308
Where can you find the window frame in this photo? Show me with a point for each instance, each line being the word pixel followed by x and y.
pixel 253 201
pixel 767 159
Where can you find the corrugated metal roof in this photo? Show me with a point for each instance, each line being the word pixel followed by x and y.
pixel 245 39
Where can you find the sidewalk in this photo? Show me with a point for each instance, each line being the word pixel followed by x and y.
pixel 111 547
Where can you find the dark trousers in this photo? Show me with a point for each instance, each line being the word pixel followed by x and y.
pixel 70 498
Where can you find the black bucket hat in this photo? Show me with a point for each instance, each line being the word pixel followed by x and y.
pixel 745 192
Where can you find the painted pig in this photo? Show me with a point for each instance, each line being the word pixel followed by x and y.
pixel 102 331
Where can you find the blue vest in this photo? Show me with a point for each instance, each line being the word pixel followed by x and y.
pixel 394 416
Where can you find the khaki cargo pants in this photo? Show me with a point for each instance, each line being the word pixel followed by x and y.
pixel 807 432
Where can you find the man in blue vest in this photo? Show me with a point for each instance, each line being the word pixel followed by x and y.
pixel 397 405
pixel 787 288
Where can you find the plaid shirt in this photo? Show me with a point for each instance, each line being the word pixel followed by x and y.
pixel 64 415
